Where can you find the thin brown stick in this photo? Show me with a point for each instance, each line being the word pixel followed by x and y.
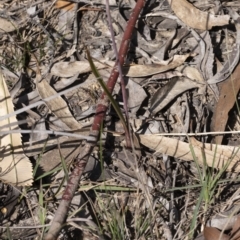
pixel 61 213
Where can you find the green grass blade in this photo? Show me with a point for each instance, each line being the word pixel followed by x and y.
pixel 195 215
pixel 64 166
pixel 49 173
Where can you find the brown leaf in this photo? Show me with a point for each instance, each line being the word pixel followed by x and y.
pixel 64 5
pixel 211 233
pixel 195 18
pixel 235 233
pixel 228 91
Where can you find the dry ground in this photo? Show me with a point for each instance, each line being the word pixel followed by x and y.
pixel 182 76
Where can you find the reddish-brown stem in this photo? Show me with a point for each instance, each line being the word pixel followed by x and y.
pixel 123 85
pixel 61 213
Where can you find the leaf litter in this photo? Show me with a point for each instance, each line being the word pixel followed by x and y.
pixel 181 75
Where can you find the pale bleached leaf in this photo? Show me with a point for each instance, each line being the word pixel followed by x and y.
pixel 216 156
pixel 15 167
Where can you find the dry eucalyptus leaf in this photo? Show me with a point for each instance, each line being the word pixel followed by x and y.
pixel 136 96
pixel 235 233
pixel 233 58
pixel 15 167
pixel 191 73
pixel 147 70
pixel 229 90
pixel 211 233
pixel 65 22
pixel 215 157
pixel 225 150
pixel 207 63
pixel 69 69
pixel 57 105
pixel 65 5
pixel 222 221
pixel 181 33
pixel 228 67
pixel 7 25
pixel 196 18
pixel 163 96
pixel 160 54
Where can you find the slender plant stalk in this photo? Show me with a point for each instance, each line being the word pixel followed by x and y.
pixel 82 158
pixel 104 87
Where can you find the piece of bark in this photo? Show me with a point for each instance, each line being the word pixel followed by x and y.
pixel 228 91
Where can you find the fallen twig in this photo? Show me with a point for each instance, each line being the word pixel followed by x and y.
pixel 123 85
